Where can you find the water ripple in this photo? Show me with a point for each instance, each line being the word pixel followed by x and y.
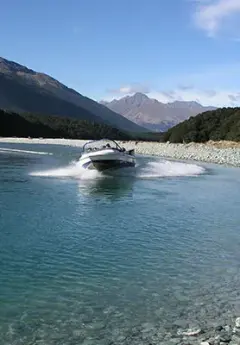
pixel 115 260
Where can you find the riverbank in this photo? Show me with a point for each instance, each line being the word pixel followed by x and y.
pixel 222 152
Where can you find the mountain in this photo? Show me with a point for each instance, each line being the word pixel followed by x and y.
pixel 220 124
pixel 24 90
pixel 152 114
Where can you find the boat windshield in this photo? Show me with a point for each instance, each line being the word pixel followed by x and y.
pixel 100 145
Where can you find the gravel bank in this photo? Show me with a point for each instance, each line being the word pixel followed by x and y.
pixel 228 334
pixel 192 151
pixel 222 153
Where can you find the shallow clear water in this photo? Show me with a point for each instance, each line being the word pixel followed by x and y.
pixel 92 259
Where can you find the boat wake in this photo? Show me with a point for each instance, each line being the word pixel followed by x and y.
pixel 7 150
pixel 74 170
pixel 165 168
pixel 147 170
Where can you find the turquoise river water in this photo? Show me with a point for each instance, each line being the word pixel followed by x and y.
pixel 120 259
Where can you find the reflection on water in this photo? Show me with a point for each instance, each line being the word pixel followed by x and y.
pixel 113 187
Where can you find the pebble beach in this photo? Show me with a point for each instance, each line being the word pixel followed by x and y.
pixel 226 153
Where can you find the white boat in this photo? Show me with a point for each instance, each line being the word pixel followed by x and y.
pixel 106 154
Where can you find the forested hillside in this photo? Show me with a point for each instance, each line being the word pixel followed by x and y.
pixel 29 125
pixel 220 124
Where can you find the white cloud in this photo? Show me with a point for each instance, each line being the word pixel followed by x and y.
pixel 235 97
pixel 222 98
pixel 216 85
pixel 130 89
pixel 211 15
pixel 207 97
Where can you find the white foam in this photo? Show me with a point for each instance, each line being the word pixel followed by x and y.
pixel 169 169
pixel 3 149
pixel 152 169
pixel 75 169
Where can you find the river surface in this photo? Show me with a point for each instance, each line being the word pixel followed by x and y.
pixel 120 259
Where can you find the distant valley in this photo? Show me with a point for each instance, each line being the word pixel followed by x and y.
pixel 152 114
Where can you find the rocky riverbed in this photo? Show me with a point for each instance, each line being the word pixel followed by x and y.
pixel 220 335
pixel 228 334
pixel 213 152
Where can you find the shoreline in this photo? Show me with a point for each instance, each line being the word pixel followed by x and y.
pixel 222 152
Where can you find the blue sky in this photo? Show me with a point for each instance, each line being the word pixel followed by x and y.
pixel 105 49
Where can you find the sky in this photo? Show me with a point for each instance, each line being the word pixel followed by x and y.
pixel 169 49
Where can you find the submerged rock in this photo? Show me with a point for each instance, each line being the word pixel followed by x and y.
pixel 227 328
pixel 225 337
pixel 190 332
pixel 236 330
pixel 237 322
pixel 235 340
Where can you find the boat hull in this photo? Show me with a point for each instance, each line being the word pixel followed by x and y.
pixel 102 165
pixel 107 160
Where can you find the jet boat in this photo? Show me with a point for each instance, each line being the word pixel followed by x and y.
pixel 106 154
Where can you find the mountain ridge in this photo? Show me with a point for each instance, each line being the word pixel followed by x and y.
pixel 155 115
pixel 17 79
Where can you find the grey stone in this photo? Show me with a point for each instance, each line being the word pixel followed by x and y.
pixel 168 336
pixel 236 339
pixel 213 341
pixel 205 337
pixel 217 339
pixel 225 337
pixel 236 330
pixel 227 328
pixel 190 332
